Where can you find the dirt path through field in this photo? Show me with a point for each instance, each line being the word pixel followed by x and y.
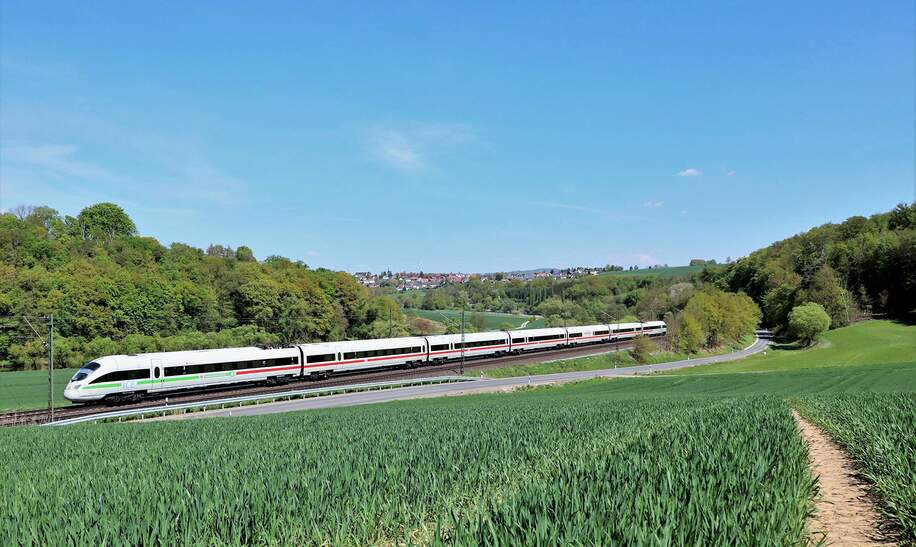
pixel 845 515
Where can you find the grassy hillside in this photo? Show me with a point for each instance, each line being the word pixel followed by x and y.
pixel 605 360
pixel 872 342
pixel 672 271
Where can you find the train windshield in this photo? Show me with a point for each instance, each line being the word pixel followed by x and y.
pixel 87 369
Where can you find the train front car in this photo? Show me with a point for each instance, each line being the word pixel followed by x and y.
pixel 120 378
pixel 85 385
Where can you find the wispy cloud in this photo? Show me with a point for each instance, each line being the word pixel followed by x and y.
pixel 56 159
pixel 570 207
pixel 200 180
pixel 396 150
pixel 605 213
pixel 414 148
pixel 690 172
pixel 731 173
pixel 653 204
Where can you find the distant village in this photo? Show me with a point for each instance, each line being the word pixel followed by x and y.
pixel 408 281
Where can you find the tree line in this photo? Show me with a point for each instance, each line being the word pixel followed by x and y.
pixel 859 268
pixel 113 291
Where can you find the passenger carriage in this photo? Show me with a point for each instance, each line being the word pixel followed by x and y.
pixel 321 360
pixel 654 328
pixel 446 347
pixel 534 339
pixel 625 331
pixel 588 334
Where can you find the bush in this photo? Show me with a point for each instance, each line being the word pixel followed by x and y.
pixel 643 349
pixel 808 321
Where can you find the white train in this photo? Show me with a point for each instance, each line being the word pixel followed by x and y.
pixel 130 377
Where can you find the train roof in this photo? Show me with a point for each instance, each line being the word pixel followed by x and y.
pixel 468 336
pixel 248 353
pixel 539 332
pixel 357 345
pixel 583 328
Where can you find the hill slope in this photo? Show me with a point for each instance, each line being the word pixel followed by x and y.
pixel 868 343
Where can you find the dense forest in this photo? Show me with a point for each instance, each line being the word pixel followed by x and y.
pixel 862 267
pixel 113 291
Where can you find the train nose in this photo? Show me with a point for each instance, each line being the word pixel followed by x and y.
pixel 71 391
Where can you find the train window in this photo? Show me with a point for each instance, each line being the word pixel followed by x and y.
pixel 545 337
pixel 120 375
pixel 138 374
pixel 518 340
pixel 110 377
pixel 575 335
pixel 600 332
pixel 323 358
pixel 438 347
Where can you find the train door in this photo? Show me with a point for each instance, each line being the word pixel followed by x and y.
pixel 157 372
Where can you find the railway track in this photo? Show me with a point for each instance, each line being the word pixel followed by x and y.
pixel 34 417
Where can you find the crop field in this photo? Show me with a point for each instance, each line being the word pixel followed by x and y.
pixel 702 460
pixel 492 320
pixel 878 431
pixel 871 342
pixel 29 389
pixel 537 467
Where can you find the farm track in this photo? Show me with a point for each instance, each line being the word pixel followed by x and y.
pixel 40 416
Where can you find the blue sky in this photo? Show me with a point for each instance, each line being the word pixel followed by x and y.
pixel 471 137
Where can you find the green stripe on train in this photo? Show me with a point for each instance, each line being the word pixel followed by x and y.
pixel 164 380
pixel 103 386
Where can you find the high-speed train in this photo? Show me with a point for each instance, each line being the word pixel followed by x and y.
pixel 119 378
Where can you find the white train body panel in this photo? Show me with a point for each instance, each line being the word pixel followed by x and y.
pixel 476 344
pixel 588 334
pixel 538 338
pixel 363 354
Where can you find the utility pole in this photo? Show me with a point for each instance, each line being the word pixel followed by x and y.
pixel 51 366
pixel 50 346
pixel 461 372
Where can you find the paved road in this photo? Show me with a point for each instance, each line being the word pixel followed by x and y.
pixel 477 386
